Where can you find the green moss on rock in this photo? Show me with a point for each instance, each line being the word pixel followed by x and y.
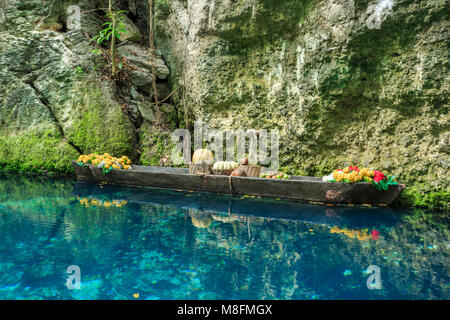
pixel 34 151
pixel 423 197
pixel 100 124
pixel 156 146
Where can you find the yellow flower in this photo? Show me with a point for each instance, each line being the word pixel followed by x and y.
pixel 364 172
pixel 334 230
pixel 351 176
pixel 338 176
pixel 107 204
pixel 346 169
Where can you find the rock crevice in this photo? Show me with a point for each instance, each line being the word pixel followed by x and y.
pixel 46 103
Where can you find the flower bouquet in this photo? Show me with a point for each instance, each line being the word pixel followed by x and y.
pixel 353 174
pixel 105 161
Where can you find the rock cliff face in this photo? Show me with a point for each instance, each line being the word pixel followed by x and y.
pixel 50 109
pixel 345 81
pixel 56 101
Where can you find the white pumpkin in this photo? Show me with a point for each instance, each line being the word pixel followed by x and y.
pixel 225 165
pixel 203 156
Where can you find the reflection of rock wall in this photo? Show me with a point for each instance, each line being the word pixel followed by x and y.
pixel 200 219
pixel 345 81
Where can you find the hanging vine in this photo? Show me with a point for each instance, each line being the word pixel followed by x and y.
pixel 113 17
pixel 152 56
pixel 186 118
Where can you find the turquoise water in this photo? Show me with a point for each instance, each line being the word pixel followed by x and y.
pixel 136 243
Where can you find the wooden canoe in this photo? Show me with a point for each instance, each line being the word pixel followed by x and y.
pixel 296 188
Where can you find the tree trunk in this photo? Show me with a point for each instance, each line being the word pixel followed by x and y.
pixel 152 56
pixel 113 38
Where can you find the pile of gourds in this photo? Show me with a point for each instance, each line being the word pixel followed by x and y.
pixel 105 161
pixel 203 156
pixel 274 175
pixel 203 163
pixel 225 165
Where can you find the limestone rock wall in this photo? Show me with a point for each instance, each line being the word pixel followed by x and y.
pixel 345 81
pixel 56 100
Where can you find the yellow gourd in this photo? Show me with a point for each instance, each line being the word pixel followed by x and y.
pixel 203 156
pixel 225 165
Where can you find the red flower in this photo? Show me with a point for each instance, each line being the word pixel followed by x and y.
pixel 375 234
pixel 378 176
pixel 355 168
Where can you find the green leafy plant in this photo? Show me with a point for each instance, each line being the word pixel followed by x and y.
pixel 385 183
pixel 78 71
pixel 106 171
pixel 111 31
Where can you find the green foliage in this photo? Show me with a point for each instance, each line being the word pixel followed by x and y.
pixel 106 171
pixel 423 197
pixel 109 31
pixel 385 183
pixel 79 71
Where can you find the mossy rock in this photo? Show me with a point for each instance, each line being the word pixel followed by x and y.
pixel 36 152
pixel 156 146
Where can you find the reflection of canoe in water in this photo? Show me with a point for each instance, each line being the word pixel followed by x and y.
pixel 236 207
pixel 296 188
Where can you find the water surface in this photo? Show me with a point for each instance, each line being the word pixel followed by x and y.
pixel 140 243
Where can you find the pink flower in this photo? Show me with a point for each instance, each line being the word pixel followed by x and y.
pixel 378 176
pixel 375 234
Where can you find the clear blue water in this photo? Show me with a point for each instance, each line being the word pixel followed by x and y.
pixel 137 243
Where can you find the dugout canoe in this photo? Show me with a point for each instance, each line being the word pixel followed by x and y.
pixel 296 188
